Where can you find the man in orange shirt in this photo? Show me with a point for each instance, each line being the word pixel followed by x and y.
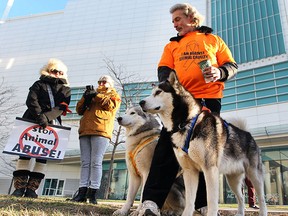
pixel 193 44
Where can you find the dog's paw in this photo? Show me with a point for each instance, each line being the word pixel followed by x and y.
pixel 134 213
pixel 119 212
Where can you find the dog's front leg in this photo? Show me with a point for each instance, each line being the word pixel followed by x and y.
pixel 191 178
pixel 134 184
pixel 212 186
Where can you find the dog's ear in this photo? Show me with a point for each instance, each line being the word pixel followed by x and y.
pixel 172 78
pixel 174 82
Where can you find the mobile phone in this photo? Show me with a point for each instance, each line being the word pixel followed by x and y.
pixel 89 87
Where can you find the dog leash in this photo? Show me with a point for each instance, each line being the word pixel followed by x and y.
pixel 139 147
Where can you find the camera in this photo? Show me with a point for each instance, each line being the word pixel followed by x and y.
pixel 89 87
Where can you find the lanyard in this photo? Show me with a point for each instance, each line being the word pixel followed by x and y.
pixel 51 97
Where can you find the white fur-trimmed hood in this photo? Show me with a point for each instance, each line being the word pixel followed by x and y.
pixel 57 64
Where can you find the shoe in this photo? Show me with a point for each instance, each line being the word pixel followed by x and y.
pixel 149 208
pixel 254 206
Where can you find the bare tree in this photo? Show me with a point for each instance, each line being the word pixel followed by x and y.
pixel 8 110
pixel 128 96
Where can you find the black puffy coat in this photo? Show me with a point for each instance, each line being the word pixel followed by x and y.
pixel 38 100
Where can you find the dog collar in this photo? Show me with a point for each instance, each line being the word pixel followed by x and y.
pixel 187 140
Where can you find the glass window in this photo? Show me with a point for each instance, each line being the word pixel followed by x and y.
pixel 265 27
pixel 257 11
pixel 282 98
pixel 249 51
pixel 271 24
pixel 53 187
pixel 283 81
pixel 246 96
pixel 281 44
pixel 226 107
pixel 268 49
pixel 235 36
pixel 275 6
pixel 228 99
pixel 274 44
pixel 259 29
pixel 229 92
pixel 282 89
pixel 263 69
pixel 255 50
pixel 264 85
pixel 251 15
pixel 245 104
pixel 245 74
pixel 246 88
pixel 268 100
pixel 267 76
pixel 244 81
pixel 247 32
pixel 266 92
pixel 240 16
pixel 263 9
pixel 253 30
pixel 245 15
pixel 261 47
pixel 243 57
pixel 269 8
pixel 230 83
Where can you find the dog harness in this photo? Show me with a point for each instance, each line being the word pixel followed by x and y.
pixel 193 122
pixel 140 146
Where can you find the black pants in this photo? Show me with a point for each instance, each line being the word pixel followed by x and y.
pixel 164 168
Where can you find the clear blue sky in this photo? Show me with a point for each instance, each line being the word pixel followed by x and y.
pixel 28 7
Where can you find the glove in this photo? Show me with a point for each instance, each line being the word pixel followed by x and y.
pixel 64 107
pixel 42 120
pixel 89 94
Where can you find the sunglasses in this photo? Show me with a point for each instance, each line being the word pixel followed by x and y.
pixel 56 72
pixel 104 82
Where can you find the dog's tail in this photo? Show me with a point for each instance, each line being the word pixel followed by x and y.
pixel 238 122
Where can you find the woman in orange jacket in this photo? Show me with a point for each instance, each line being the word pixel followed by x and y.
pixel 96 126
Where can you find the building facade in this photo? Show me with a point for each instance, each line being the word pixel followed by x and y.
pixel 86 34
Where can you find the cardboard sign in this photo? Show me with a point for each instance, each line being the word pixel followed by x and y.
pixel 29 139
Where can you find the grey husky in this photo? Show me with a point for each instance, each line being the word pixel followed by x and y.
pixel 142 133
pixel 203 141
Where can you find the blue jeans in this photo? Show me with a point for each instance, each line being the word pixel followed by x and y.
pixel 92 150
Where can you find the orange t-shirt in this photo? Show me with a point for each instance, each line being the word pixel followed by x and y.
pixel 184 56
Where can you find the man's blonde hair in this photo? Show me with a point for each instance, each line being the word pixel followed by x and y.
pixel 188 9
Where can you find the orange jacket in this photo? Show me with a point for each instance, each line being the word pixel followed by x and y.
pixel 183 56
pixel 99 119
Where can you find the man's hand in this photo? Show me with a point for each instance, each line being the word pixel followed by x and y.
pixel 212 74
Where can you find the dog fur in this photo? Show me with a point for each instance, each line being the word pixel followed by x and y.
pixel 214 147
pixel 142 133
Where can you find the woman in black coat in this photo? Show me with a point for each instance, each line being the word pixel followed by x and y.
pixel 47 100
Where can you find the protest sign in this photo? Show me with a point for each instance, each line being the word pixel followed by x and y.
pixel 29 139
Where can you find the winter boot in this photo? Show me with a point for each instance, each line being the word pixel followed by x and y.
pixel 33 184
pixel 81 196
pixel 20 178
pixel 92 195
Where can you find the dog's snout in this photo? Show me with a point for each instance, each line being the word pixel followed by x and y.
pixel 119 119
pixel 142 103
